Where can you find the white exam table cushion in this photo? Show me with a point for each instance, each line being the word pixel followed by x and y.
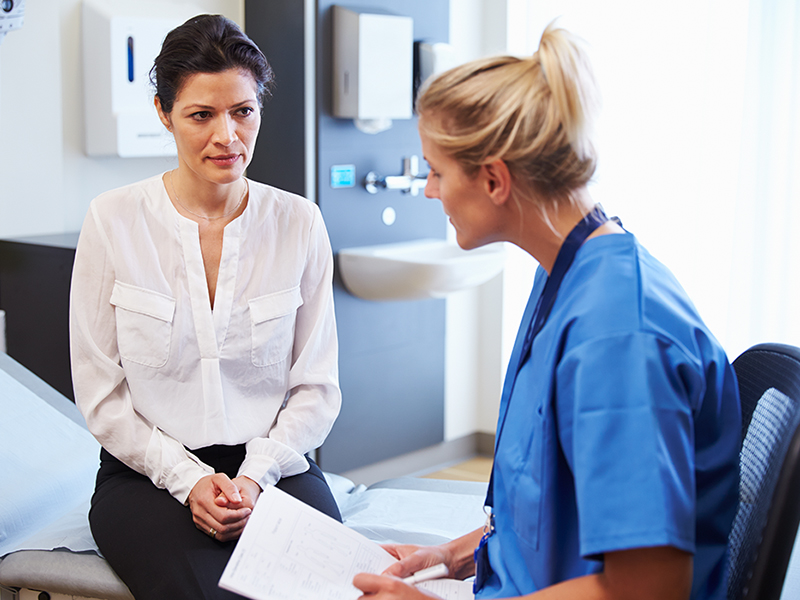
pixel 410 510
pixel 48 464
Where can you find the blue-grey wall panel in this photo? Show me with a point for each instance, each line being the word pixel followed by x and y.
pixel 392 382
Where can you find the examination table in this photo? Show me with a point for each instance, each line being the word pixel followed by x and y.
pixel 48 464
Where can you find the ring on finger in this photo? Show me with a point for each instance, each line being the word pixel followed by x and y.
pixel 212 532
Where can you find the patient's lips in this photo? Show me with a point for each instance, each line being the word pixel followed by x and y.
pixel 225 159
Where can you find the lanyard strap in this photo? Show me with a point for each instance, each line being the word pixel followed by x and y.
pixel 566 255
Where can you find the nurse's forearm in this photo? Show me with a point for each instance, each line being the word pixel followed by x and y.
pixel 662 573
pixel 461 551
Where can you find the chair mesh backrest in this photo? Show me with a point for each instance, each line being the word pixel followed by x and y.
pixel 768 515
pixel 774 420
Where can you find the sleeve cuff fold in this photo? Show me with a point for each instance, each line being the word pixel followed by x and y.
pixel 268 461
pixel 183 477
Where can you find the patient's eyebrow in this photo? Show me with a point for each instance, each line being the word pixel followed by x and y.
pixel 247 102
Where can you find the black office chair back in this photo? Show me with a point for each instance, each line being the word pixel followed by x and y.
pixel 767 518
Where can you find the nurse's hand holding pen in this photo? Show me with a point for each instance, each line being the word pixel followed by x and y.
pixel 455 555
pixel 411 560
pixel 382 585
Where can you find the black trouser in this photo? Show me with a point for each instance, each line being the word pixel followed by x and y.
pixel 150 540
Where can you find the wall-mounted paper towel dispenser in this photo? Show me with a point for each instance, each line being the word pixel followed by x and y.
pixel 373 66
pixel 120 41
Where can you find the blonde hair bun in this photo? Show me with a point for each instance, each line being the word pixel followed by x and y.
pixel 535 114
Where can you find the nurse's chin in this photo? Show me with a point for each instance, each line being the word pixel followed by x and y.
pixel 469 244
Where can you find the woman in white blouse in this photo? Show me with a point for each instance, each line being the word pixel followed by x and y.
pixel 204 349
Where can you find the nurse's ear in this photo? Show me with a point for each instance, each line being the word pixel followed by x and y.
pixel 497 181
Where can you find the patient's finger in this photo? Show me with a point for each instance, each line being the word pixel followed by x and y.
pixel 220 531
pixel 230 532
pixel 227 488
pixel 232 515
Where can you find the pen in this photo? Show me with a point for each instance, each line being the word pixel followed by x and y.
pixel 434 572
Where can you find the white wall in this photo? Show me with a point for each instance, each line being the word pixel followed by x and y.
pixel 698 143
pixel 474 362
pixel 46 180
pixel 669 135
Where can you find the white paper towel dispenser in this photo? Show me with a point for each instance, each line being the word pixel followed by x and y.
pixel 120 42
pixel 373 66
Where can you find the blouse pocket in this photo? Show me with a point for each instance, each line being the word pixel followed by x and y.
pixel 272 320
pixel 144 324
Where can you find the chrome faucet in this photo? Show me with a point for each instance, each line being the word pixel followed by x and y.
pixel 410 182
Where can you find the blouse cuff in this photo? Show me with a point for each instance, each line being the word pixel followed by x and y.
pixel 183 477
pixel 178 480
pixel 268 461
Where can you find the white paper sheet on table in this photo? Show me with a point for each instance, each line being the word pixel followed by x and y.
pixel 290 550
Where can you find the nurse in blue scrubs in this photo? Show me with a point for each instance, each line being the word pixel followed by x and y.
pixel 616 458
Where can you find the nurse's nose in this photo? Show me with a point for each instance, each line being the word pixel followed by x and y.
pixel 430 187
pixel 225 131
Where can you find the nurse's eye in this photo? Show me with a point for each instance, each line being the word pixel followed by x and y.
pixel 246 111
pixel 201 115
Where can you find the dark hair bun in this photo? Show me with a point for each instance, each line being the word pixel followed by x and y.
pixel 207 44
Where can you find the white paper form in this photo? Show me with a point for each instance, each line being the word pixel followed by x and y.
pixel 451 589
pixel 291 551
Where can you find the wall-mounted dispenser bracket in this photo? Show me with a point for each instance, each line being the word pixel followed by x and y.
pixel 410 182
pixel 12 16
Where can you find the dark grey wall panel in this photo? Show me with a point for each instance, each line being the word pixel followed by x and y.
pixel 279 157
pixel 35 276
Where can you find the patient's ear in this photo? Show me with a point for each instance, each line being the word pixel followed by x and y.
pixel 161 114
pixel 497 181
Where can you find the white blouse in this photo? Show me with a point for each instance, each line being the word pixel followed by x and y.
pixel 158 373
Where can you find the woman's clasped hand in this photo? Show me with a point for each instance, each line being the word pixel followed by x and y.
pixel 222 505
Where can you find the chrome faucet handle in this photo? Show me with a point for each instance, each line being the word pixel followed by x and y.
pixel 373 182
pixel 411 166
pixel 410 182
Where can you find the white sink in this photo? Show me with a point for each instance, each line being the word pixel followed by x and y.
pixel 417 269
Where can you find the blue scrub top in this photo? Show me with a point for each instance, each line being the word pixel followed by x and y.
pixel 623 429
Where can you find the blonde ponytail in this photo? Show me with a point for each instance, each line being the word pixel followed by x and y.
pixel 572 84
pixel 536 114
